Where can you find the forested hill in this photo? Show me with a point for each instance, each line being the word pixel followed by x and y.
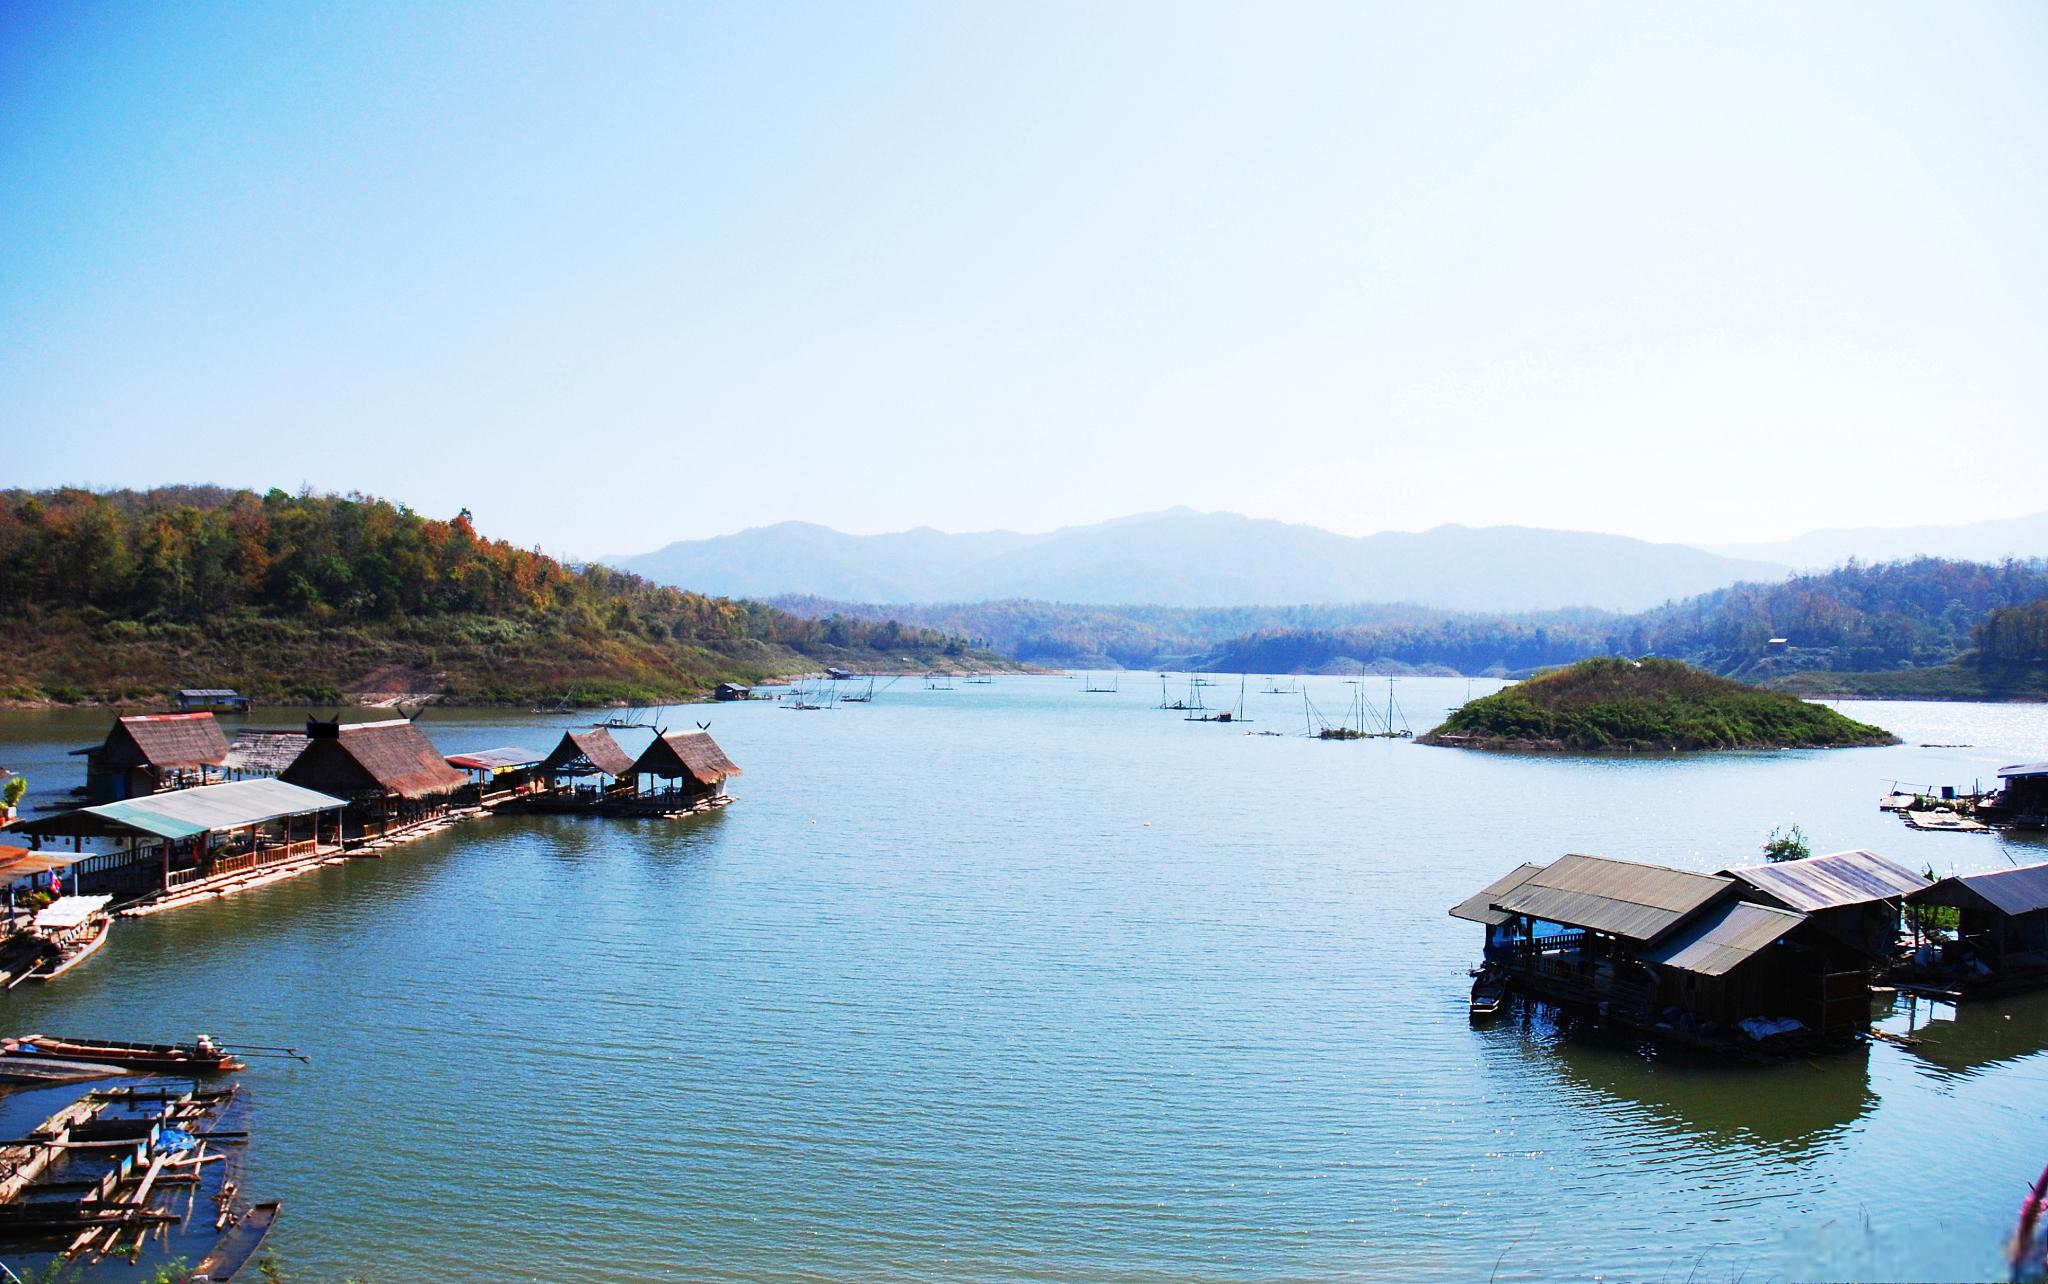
pixel 1245 638
pixel 123 595
pixel 1898 616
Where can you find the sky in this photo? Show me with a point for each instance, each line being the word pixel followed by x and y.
pixel 615 275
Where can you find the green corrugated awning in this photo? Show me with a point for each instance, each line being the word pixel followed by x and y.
pixel 186 813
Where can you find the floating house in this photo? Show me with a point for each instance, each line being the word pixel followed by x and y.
pixel 1856 897
pixel 210 698
pixel 732 691
pixel 1678 953
pixel 688 771
pixel 584 770
pixel 2001 938
pixel 171 841
pixel 389 772
pixel 2022 797
pixel 499 775
pixel 148 753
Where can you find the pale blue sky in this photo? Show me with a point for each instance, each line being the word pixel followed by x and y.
pixel 1689 272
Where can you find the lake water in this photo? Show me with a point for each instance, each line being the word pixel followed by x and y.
pixel 1018 982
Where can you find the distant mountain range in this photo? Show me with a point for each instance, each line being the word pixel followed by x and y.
pixel 1188 559
pixel 1992 541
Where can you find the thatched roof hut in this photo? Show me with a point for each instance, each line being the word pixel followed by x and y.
pixel 587 753
pixel 393 759
pixel 690 755
pixel 165 742
pixel 145 753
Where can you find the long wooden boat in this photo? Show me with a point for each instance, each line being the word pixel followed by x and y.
pixel 81 946
pixel 234 1249
pixel 173 1058
pixel 1489 994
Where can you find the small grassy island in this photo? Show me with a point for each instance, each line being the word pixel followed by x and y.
pixel 1654 705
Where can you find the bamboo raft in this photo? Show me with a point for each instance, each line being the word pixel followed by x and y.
pixel 95 1180
pixel 1946 822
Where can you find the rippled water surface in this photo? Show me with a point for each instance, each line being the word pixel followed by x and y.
pixel 1020 982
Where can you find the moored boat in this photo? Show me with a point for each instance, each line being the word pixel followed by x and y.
pixel 240 1243
pixel 72 928
pixel 201 1057
pixel 1489 993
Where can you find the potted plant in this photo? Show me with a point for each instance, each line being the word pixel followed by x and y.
pixel 10 797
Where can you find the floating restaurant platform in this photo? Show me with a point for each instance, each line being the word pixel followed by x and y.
pixel 336 792
pixel 190 843
pixel 1745 961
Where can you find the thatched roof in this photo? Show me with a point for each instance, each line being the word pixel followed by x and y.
pixel 584 753
pixel 686 753
pixel 264 752
pixel 165 741
pixel 391 757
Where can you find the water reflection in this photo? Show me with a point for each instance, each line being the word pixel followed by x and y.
pixel 1790 1108
pixel 1960 1041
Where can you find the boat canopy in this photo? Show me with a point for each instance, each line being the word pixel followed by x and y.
pixel 67 912
pixel 187 813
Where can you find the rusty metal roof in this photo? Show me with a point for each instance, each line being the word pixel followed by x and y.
pixel 2009 891
pixel 1620 897
pixel 1479 906
pixel 1854 877
pixel 1723 938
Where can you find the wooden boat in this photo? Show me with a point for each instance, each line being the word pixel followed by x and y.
pixel 174 1058
pixel 71 930
pixel 78 949
pixel 1489 994
pixel 234 1249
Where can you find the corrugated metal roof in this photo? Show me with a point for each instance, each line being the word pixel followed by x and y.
pixel 2023 769
pixel 2009 891
pixel 186 813
pixel 495 759
pixel 1478 907
pixel 1620 897
pixel 1723 938
pixel 1854 877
